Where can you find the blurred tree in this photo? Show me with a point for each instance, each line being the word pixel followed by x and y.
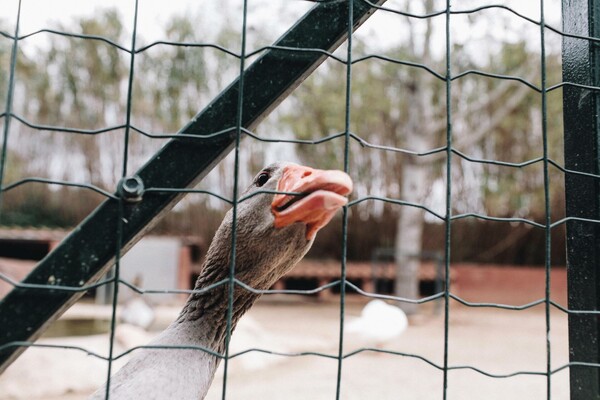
pixel 82 84
pixel 173 79
pixel 76 83
pixel 405 107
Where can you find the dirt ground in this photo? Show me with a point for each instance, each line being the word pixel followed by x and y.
pixel 495 341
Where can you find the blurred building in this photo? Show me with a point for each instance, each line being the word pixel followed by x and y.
pixel 164 264
pixel 159 263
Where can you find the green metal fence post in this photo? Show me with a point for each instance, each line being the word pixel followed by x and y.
pixel 581 62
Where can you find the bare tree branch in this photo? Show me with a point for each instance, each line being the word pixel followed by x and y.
pixel 502 110
pixel 492 97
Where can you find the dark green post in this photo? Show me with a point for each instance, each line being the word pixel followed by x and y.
pixel 581 63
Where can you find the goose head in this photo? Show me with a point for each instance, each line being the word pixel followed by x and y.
pixel 274 231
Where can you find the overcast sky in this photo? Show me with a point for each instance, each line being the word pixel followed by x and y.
pixel 480 34
pixel 38 14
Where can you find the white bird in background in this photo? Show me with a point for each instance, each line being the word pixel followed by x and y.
pixel 137 312
pixel 379 322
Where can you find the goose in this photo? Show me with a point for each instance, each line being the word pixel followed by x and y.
pixel 379 322
pixel 273 232
pixel 136 311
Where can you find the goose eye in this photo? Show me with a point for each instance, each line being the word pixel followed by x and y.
pixel 262 178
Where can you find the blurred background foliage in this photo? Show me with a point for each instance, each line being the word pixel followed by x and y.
pixel 82 84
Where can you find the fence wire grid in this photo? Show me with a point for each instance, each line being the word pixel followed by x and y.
pixel 9 117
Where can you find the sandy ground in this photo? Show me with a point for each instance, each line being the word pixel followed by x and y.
pixel 496 341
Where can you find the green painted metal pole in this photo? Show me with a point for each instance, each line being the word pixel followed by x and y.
pixel 581 63
pixel 86 254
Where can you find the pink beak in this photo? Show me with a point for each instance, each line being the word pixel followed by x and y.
pixel 323 194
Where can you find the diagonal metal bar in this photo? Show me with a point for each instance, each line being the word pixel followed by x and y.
pixel 86 254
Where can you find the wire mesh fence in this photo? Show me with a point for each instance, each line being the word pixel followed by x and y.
pixel 234 114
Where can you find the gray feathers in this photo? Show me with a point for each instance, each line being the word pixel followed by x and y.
pixel 263 255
